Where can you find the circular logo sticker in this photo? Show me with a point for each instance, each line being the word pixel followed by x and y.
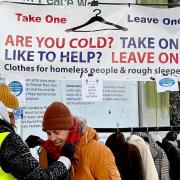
pixel 16 87
pixel 167 82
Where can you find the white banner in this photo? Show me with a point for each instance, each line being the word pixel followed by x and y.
pixel 114 42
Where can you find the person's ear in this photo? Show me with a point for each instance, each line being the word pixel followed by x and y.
pixel 12 119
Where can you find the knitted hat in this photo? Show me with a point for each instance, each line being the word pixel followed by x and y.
pixel 8 98
pixel 4 113
pixel 57 117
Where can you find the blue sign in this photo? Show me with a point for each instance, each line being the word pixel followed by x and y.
pixel 16 87
pixel 18 113
pixel 167 82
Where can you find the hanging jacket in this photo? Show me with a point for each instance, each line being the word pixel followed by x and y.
pixel 149 169
pixel 127 156
pixel 4 175
pixel 15 158
pixel 159 157
pixel 173 154
pixel 94 160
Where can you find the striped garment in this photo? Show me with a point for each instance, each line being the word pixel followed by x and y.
pixel 159 156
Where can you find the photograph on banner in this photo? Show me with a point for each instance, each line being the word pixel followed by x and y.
pixel 118 42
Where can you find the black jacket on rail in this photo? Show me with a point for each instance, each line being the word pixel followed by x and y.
pixel 127 157
pixel 173 155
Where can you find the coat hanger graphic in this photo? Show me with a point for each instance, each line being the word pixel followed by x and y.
pixel 96 18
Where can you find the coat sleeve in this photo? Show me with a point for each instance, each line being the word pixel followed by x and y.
pixel 23 165
pixel 103 163
pixel 165 167
pixel 135 162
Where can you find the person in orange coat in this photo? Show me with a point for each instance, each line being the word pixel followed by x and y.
pixel 91 160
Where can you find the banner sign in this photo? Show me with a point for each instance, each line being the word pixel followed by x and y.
pixel 115 42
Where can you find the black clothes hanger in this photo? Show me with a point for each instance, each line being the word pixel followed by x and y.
pixel 94 19
pixel 117 130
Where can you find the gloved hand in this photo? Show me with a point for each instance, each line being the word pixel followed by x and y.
pixel 33 141
pixel 68 151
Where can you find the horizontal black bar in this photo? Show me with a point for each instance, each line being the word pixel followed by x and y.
pixel 141 4
pixel 96 3
pixel 138 129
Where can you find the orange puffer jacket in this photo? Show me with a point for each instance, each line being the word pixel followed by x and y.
pixel 95 160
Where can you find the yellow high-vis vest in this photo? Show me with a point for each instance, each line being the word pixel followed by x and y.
pixel 3 175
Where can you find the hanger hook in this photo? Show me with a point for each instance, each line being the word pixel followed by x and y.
pixel 157 129
pixel 97 10
pixel 117 125
pixel 131 130
pixel 147 130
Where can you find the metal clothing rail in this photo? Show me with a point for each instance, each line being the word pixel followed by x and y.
pixel 138 129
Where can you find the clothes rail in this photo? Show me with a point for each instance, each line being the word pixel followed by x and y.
pixel 138 129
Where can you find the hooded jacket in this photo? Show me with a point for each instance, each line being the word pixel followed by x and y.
pixel 15 158
pixel 95 160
